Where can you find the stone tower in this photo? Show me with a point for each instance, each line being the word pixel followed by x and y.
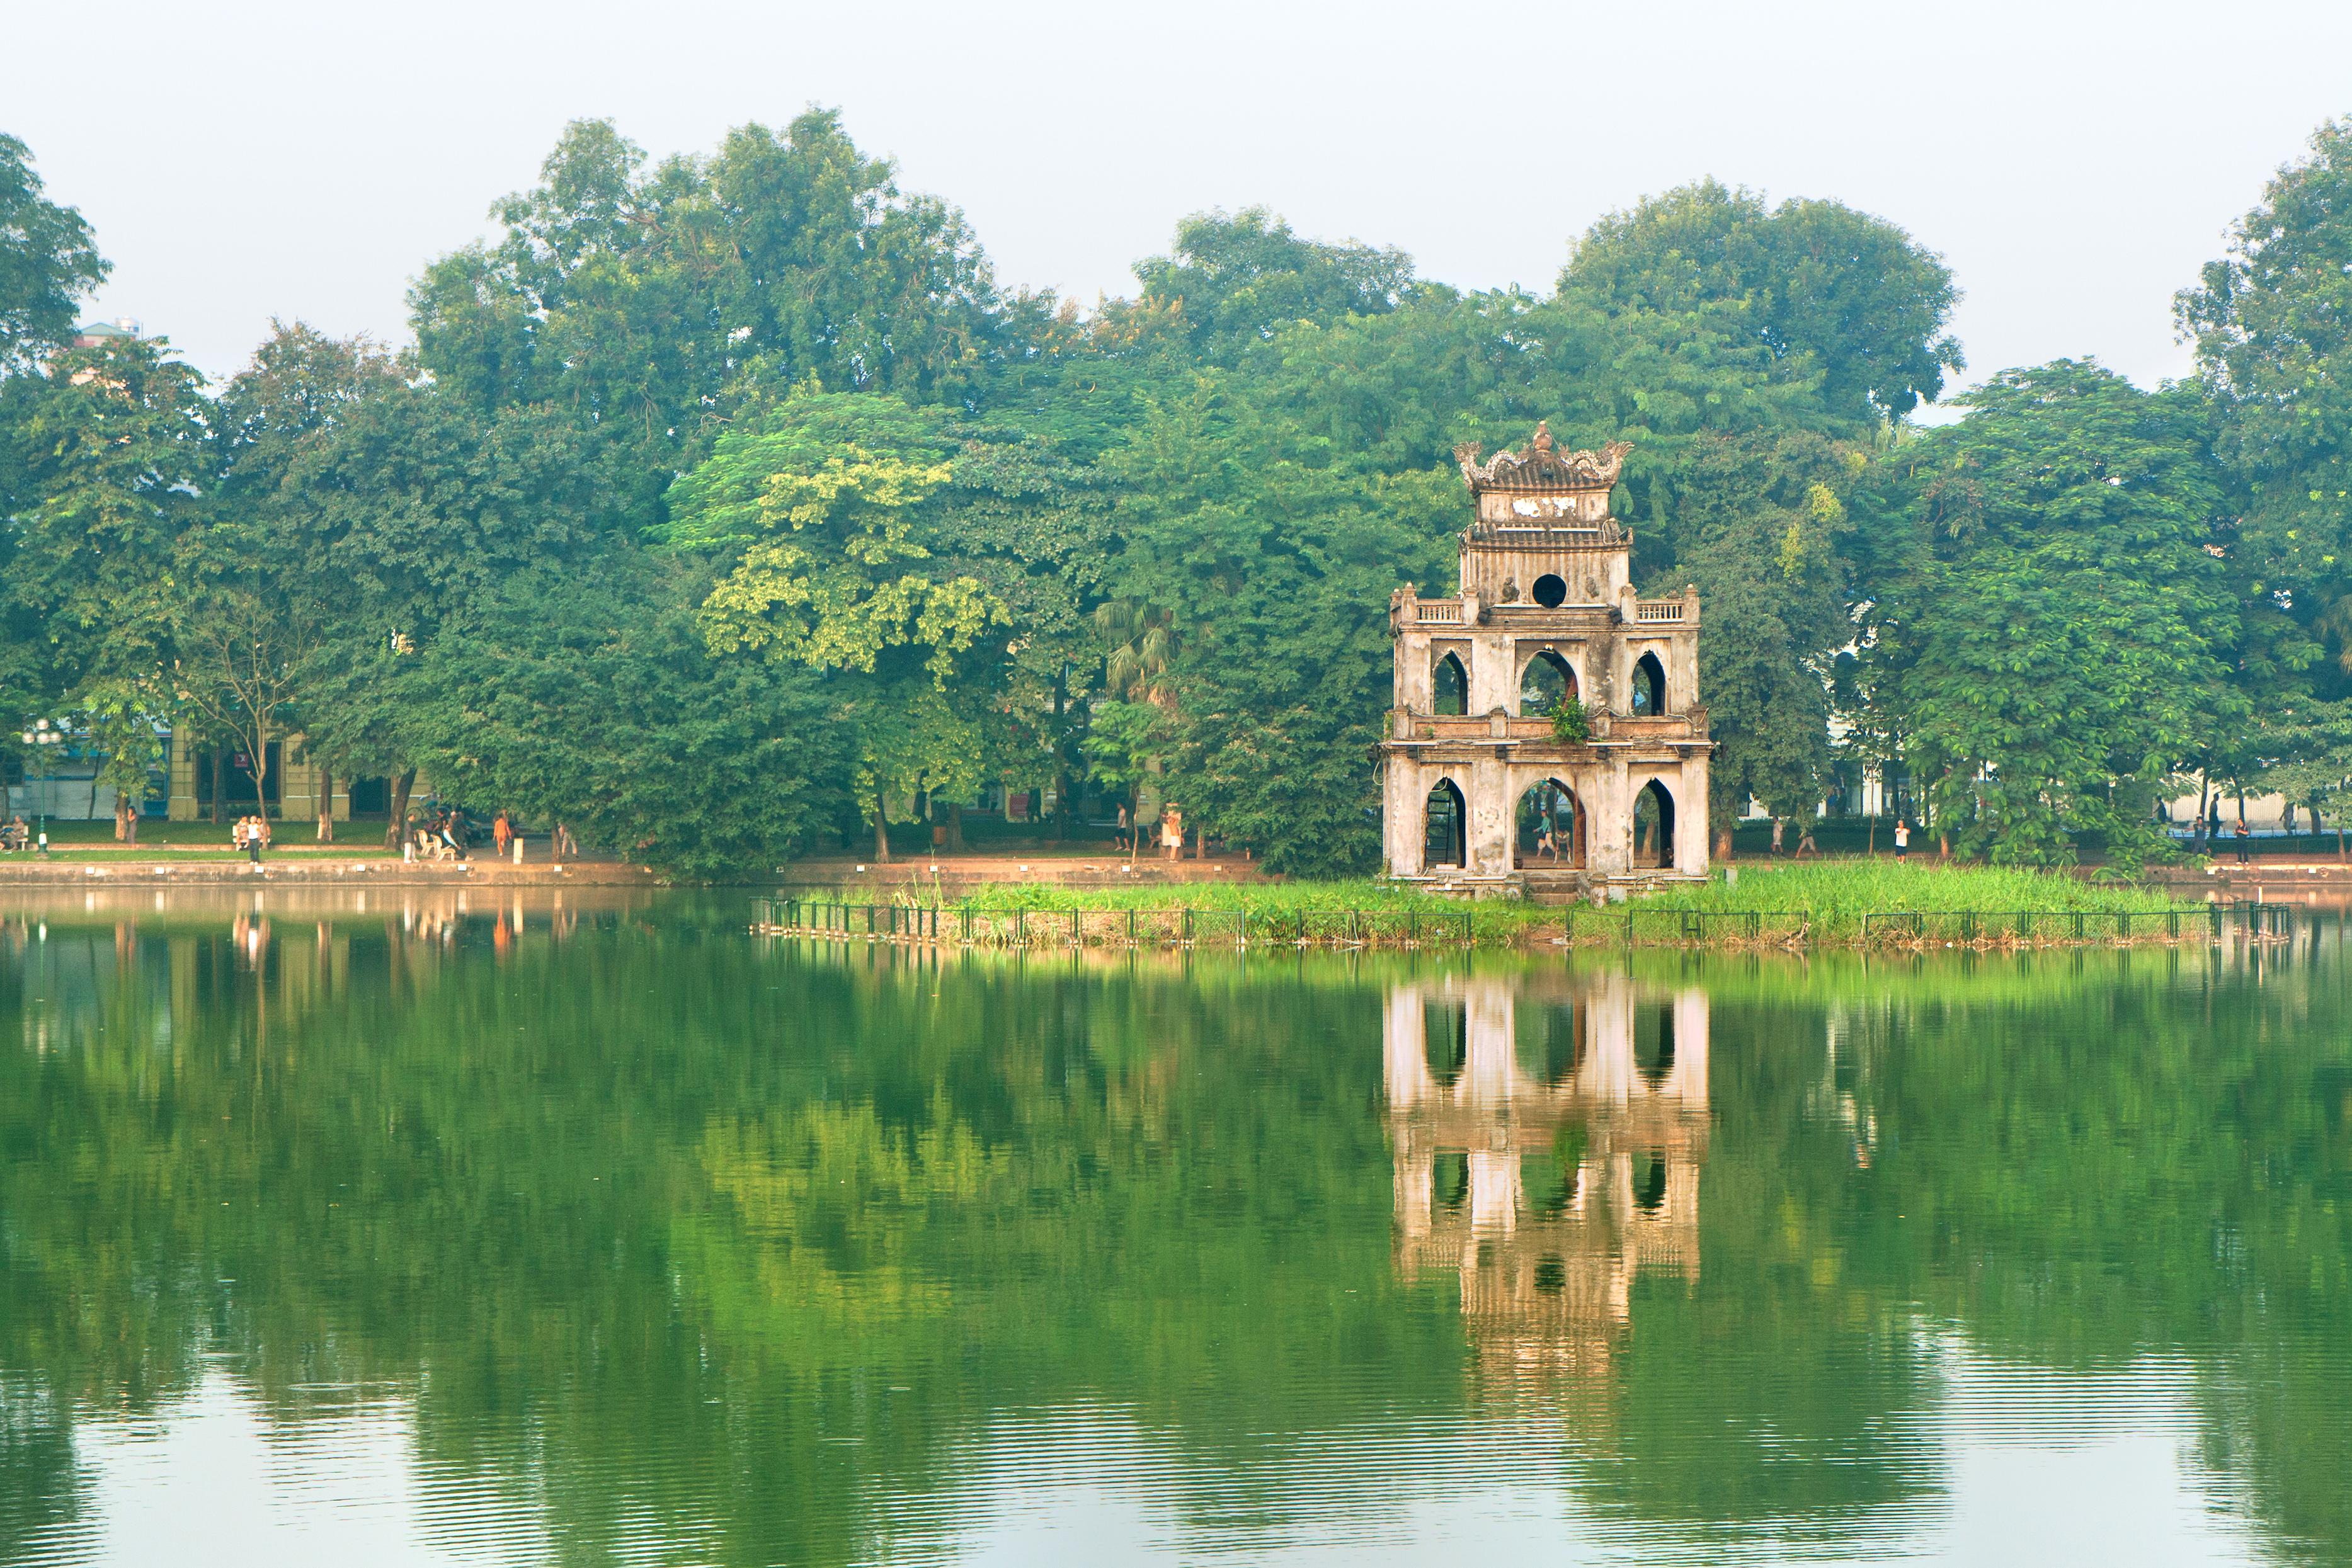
pixel 1486 783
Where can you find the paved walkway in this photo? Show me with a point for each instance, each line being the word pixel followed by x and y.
pixel 350 870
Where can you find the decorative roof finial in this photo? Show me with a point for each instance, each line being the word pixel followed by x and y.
pixel 1540 466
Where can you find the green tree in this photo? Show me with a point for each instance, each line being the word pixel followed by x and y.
pixel 860 537
pixel 1237 280
pixel 1853 293
pixel 1263 547
pixel 2063 643
pixel 48 261
pixel 2273 324
pixel 106 460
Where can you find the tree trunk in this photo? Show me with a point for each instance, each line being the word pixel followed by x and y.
pixel 261 771
pixel 220 774
pixel 400 787
pixel 881 831
pixel 326 806
pixel 1723 848
pixel 955 827
pixel 1873 836
pixel 1944 846
pixel 1061 763
pixel 126 820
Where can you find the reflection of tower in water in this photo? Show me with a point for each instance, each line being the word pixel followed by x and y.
pixel 1548 1132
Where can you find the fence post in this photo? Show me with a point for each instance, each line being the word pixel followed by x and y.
pixel 1187 926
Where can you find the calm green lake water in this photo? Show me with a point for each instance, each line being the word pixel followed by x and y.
pixel 389 1231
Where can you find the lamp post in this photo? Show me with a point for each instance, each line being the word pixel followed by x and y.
pixel 40 738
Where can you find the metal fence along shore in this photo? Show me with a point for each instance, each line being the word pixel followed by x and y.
pixel 971 925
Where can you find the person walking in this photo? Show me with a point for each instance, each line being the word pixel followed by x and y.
pixel 1778 828
pixel 1902 839
pixel 1125 829
pixel 1805 845
pixel 502 833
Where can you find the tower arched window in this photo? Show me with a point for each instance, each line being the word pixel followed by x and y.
pixel 1649 685
pixel 1545 685
pixel 1449 686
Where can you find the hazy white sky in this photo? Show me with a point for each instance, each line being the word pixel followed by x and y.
pixel 2074 162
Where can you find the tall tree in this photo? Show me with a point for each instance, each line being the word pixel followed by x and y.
pixel 48 261
pixel 2063 645
pixel 1852 293
pixel 1237 280
pixel 2273 325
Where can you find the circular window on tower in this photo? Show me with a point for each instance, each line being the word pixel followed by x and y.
pixel 1551 591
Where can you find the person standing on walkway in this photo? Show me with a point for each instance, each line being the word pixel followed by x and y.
pixel 1902 839
pixel 2245 837
pixel 502 833
pixel 1778 828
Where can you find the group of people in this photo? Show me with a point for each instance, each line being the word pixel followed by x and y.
pixel 446 834
pixel 250 835
pixel 1805 845
pixel 14 835
pixel 438 835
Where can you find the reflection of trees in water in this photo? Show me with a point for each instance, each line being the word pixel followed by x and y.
pixel 648 1196
pixel 627 1202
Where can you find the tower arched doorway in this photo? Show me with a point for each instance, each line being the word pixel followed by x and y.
pixel 1654 827
pixel 1649 686
pixel 1447 838
pixel 1546 684
pixel 1551 829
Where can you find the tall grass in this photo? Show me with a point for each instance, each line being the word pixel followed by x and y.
pixel 1826 900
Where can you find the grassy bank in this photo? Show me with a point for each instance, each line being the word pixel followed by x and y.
pixel 1816 901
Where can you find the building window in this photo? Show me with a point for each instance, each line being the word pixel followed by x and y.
pixel 1450 687
pixel 1649 685
pixel 1546 684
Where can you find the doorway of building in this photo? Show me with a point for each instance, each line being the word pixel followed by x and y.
pixel 1447 837
pixel 1654 827
pixel 1550 828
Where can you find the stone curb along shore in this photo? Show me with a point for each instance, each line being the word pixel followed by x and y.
pixel 348 871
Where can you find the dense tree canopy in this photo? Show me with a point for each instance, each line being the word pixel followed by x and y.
pixel 935 528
